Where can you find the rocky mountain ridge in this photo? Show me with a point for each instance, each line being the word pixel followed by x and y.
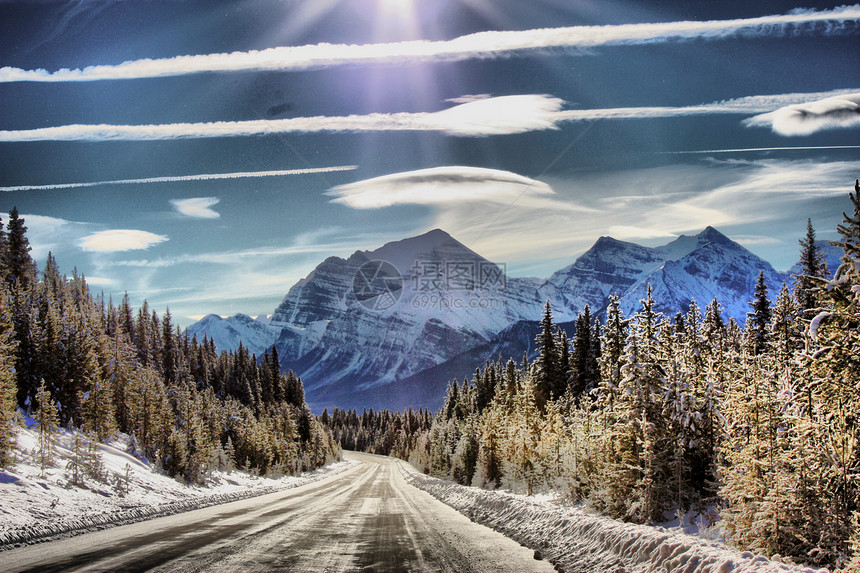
pixel 414 310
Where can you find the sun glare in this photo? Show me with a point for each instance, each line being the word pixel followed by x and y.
pixel 396 7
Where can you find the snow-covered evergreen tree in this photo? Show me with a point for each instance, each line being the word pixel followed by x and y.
pixel 642 437
pixel 812 267
pixel 8 412
pixel 759 319
pixel 47 422
pixel 547 383
pixel 585 370
pixel 612 344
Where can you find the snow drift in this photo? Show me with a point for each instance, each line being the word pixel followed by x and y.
pixel 574 540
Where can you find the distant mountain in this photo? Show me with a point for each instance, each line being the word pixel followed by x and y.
pixel 391 327
pixel 701 267
pixel 355 324
pixel 227 333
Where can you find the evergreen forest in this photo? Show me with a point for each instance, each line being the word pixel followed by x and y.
pixel 75 361
pixel 645 417
pixel 640 417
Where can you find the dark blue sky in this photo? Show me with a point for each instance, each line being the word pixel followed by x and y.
pixel 626 130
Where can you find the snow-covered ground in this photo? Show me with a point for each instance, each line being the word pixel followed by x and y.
pixel 573 539
pixel 36 507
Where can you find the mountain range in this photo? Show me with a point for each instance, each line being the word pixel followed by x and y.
pixel 389 328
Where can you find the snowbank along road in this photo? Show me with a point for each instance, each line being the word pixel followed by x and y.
pixel 365 519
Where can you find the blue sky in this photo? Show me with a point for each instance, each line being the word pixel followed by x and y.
pixel 207 155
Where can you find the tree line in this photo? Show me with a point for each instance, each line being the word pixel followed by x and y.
pixel 378 432
pixel 647 416
pixel 73 360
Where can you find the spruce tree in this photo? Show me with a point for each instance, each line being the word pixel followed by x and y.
pixel 20 270
pixel 812 267
pixel 547 371
pixel 832 361
pixel 759 319
pixel 48 425
pixel 7 384
pixel 612 344
pixel 294 391
pixel 20 275
pixel 641 429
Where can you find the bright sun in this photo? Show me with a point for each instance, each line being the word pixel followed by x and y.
pixel 396 7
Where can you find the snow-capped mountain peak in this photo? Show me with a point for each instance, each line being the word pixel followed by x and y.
pixel 227 333
pixel 433 245
pixel 346 340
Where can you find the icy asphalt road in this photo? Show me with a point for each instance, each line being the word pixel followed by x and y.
pixel 365 519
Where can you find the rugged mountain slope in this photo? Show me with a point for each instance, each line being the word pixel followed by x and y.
pixel 356 323
pixel 701 267
pixel 390 327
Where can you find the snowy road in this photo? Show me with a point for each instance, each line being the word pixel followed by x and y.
pixel 364 519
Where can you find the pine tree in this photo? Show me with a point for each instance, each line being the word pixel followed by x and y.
pixel 642 434
pixel 786 333
pixel 611 359
pixel 97 410
pixel 522 439
pixel 585 369
pixel 294 391
pixel 701 366
pixel 759 319
pixel 20 275
pixel 832 361
pixel 812 267
pixel 169 352
pixel 48 422
pixel 7 383
pixel 547 372
pixel 19 267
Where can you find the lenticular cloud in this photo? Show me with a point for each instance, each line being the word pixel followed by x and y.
pixel 120 240
pixel 807 118
pixel 197 207
pixel 438 186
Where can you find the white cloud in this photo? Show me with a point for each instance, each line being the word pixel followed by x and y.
pixel 197 207
pixel 483 45
pixel 482 117
pixel 120 240
pixel 439 186
pixel 244 256
pixel 754 240
pixel 809 117
pixel 508 114
pixel 498 116
pixel 100 281
pixel 175 178
pixel 468 98
pixel 560 217
pixel 629 232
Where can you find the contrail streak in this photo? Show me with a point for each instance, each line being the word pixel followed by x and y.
pixel 170 179
pixel 744 149
pixel 482 45
pixel 503 115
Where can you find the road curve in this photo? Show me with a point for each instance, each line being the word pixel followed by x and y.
pixel 367 518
